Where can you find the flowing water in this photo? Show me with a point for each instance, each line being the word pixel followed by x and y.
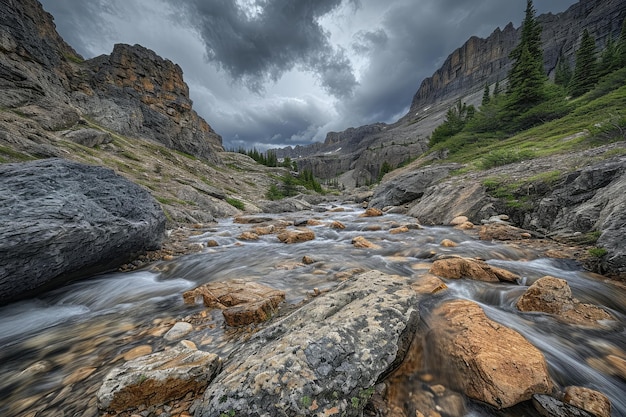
pixel 55 350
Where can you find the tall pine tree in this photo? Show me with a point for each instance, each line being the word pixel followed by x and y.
pixel 563 72
pixel 586 69
pixel 527 77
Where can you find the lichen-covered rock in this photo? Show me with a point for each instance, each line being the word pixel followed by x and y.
pixel 61 220
pixel 483 359
pixel 158 378
pixel 322 359
pixel 456 268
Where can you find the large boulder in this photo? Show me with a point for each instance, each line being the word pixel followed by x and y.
pixel 61 220
pixel 323 359
pixel 485 360
pixel 410 186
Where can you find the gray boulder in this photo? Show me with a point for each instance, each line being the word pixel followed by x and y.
pixel 324 358
pixel 61 220
pixel 410 186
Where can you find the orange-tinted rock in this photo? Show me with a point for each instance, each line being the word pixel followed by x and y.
pixel 372 212
pixel 553 296
pixel 589 400
pixel 314 222
pixel 428 284
pixel 501 231
pixel 212 243
pixel 249 236
pixel 398 230
pixel 307 260
pixel 459 220
pixel 337 225
pixel 242 302
pixel 362 243
pixel 456 268
pixel 485 360
pixel 296 235
pixel 447 243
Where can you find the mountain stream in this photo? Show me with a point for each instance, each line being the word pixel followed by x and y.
pixel 55 350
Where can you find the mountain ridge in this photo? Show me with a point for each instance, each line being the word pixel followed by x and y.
pixel 463 75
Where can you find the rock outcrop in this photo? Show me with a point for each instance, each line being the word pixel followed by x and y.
pixel 324 358
pixel 61 220
pixel 135 92
pixel 410 187
pixel 586 200
pixel 485 360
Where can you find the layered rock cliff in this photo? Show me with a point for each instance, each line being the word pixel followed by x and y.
pixel 137 93
pixel 133 91
pixel 481 61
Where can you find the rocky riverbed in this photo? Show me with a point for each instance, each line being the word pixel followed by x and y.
pixel 381 316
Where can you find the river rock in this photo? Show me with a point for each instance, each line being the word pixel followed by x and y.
pixel 158 378
pixel 554 296
pixel 482 358
pixel 372 212
pixel 242 302
pixel 589 400
pixel 362 243
pixel 296 235
pixel 501 231
pixel 324 358
pixel 62 220
pixel 178 331
pixel 456 268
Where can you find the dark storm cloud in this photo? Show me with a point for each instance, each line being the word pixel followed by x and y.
pixel 260 42
pixel 69 14
pixel 275 123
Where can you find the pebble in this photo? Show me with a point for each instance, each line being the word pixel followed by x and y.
pixel 178 331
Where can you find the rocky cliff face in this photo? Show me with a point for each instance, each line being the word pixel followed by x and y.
pixel 133 91
pixel 137 93
pixel 481 61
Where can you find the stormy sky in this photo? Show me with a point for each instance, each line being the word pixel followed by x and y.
pixel 270 73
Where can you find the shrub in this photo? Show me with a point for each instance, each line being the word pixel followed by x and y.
pixel 238 204
pixel 504 157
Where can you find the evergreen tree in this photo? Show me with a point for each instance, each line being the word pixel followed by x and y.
pixel 496 89
pixel 486 96
pixel 527 78
pixel 610 60
pixel 563 73
pixel 586 69
pixel 621 46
